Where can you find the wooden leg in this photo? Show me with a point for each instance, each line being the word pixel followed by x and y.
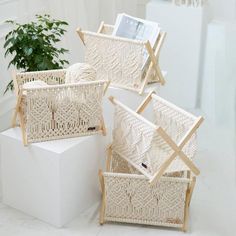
pixel 13 122
pixel 186 210
pixel 159 75
pixel 109 156
pixel 17 108
pixel 102 210
pixel 192 185
pixel 103 127
pixel 22 126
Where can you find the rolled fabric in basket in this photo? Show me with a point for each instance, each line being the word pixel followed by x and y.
pixel 34 84
pixel 80 72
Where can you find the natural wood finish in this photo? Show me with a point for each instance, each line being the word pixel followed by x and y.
pixel 154 63
pixel 109 156
pixel 106 87
pixel 178 150
pixel 192 186
pixel 105 36
pixel 144 104
pixel 116 102
pixel 81 35
pixel 154 96
pixel 22 126
pixel 186 211
pixel 16 111
pixel 153 55
pixel 103 127
pixel 102 209
pixel 100 27
pixel 24 111
pixel 160 44
pixel 189 193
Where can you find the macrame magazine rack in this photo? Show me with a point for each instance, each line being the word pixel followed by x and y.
pixel 58 110
pixel 150 175
pixel 120 60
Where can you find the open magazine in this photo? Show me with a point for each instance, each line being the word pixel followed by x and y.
pixel 130 27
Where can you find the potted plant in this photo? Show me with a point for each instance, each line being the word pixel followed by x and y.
pixel 33 45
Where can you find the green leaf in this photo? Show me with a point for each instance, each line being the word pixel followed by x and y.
pixel 28 51
pixel 32 45
pixel 7 42
pixel 10 86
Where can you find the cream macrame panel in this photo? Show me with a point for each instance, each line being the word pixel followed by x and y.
pixel 120 165
pixel 131 199
pixel 142 146
pixel 115 60
pixel 51 77
pixel 63 111
pixel 176 123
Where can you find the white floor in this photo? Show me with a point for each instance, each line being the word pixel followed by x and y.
pixel 213 209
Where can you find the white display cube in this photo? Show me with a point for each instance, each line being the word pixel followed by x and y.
pixel 53 181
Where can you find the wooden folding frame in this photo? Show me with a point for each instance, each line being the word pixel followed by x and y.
pixel 130 75
pixel 158 134
pixel 117 200
pixel 56 126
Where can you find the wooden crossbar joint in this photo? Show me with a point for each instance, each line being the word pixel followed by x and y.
pixel 146 101
pixel 177 150
pixel 154 63
pixel 157 55
pixel 160 76
pixel 81 34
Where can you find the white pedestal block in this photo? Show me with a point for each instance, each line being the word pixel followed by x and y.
pixel 219 86
pixel 181 53
pixel 53 181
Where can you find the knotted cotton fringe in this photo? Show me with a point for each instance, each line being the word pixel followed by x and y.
pixel 194 3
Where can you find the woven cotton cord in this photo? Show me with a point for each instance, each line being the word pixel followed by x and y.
pixel 80 72
pixel 194 3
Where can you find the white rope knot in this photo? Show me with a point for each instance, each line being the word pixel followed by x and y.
pixel 80 72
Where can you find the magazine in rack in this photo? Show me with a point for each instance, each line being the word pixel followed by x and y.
pixel 130 27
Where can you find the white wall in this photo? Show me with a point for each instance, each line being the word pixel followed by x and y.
pixel 223 9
